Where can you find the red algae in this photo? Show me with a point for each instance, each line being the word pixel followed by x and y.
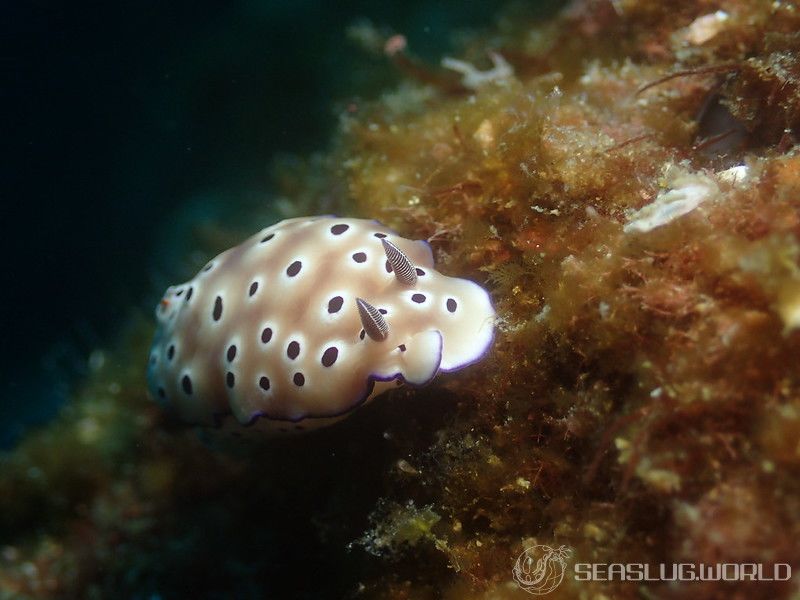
pixel 645 369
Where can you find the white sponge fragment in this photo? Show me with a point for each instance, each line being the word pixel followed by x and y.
pixel 500 73
pixel 687 191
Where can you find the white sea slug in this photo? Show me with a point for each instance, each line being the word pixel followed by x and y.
pixel 309 319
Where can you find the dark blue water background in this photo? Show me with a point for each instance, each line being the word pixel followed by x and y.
pixel 119 115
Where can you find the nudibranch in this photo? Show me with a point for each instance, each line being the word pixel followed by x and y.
pixel 309 319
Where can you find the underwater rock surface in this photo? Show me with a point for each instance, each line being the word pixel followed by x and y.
pixel 627 190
